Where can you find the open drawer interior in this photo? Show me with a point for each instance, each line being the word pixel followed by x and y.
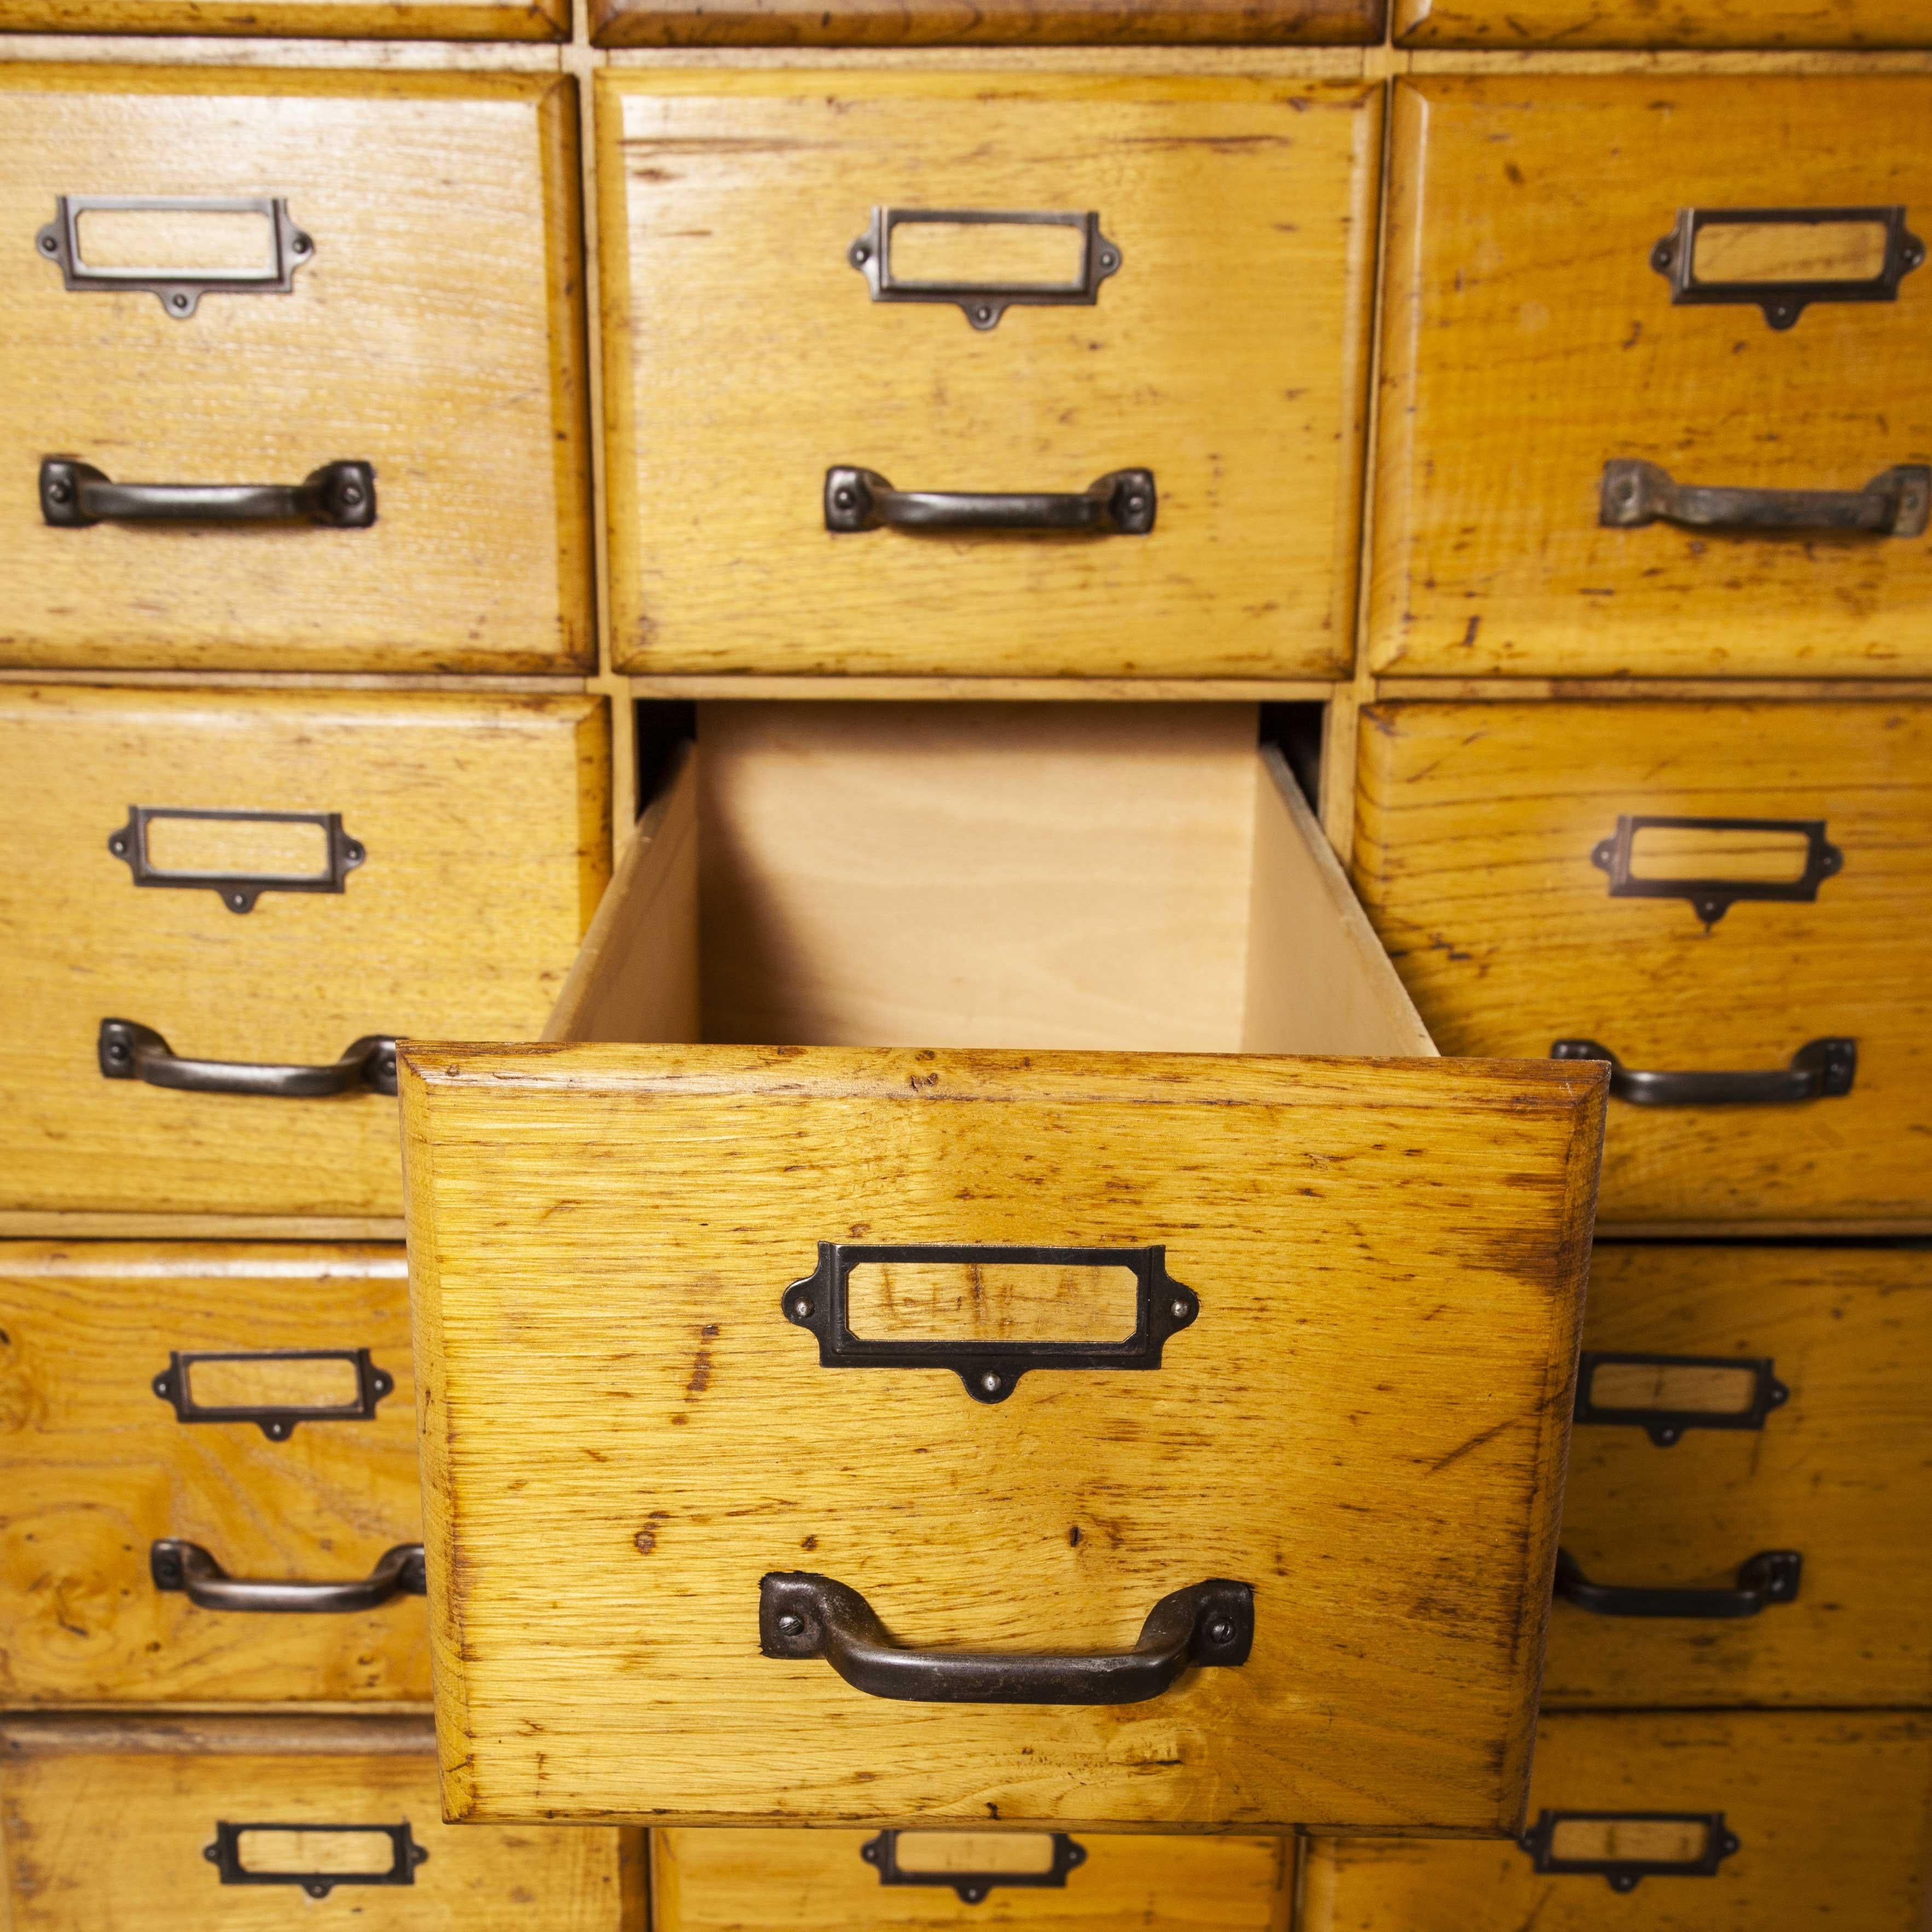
pixel 1079 876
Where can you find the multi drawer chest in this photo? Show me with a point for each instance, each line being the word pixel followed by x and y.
pixel 965 965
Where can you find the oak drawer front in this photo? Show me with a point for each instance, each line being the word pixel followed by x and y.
pixel 1168 373
pixel 360 297
pixel 632 1443
pixel 1621 263
pixel 1540 873
pixel 253 1824
pixel 1786 1386
pixel 1690 23
pixel 1806 1819
pixel 468 836
pixel 254 1404
pixel 792 1881
pixel 349 20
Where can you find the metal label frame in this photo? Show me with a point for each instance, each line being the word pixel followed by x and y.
pixel 1624 1873
pixel 1712 898
pixel 180 290
pixel 983 303
pixel 1675 257
pixel 225 1855
pixel 1665 1426
pixel 883 1853
pixel 277 1421
pixel 238 891
pixel 990 1370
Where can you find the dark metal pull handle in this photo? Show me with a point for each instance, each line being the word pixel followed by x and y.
pixel 1121 503
pixel 802 1615
pixel 883 1853
pixel 1544 1838
pixel 1771 1576
pixel 129 1051
pixel 1821 1069
pixel 187 1568
pixel 225 1855
pixel 1893 504
pixel 340 496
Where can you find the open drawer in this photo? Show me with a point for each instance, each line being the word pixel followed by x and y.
pixel 784 1460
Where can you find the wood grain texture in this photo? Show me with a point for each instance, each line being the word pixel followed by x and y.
pixel 1522 213
pixel 345 19
pixel 93 1467
pixel 1834 1474
pixel 437 333
pixel 756 1881
pixel 1501 24
pixel 486 821
pixel 913 23
pixel 1475 827
pixel 1832 1813
pixel 743 356
pixel 609 1229
pixel 104 1825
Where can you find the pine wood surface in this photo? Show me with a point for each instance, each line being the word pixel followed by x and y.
pixel 486 821
pixel 1831 1810
pixel 743 356
pixel 1522 214
pixel 104 1825
pixel 610 1228
pixel 93 1466
pixel 1474 829
pixel 1683 23
pixel 766 1881
pixel 1836 1473
pixel 372 19
pixel 437 331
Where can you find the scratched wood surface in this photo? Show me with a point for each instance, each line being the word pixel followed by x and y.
pixel 744 356
pixel 344 19
pixel 763 1881
pixel 599 1237
pixel 436 332
pixel 1474 830
pixel 93 1466
pixel 1833 1813
pixel 1527 340
pixel 104 1821
pixel 1833 1473
pixel 1512 25
pixel 485 819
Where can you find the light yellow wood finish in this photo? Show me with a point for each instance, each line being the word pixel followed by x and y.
pixel 1832 1814
pixel 436 332
pixel 1527 340
pixel 105 1822
pixel 1835 1474
pixel 1508 24
pixel 1473 856
pixel 599 1237
pixel 486 823
pixel 744 356
pixel 95 1466
pixel 365 20
pixel 755 1881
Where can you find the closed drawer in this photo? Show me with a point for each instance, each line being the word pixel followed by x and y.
pixel 821 358
pixel 1708 296
pixel 349 20
pixel 359 290
pixel 1740 1404
pixel 661 1521
pixel 1704 891
pixel 255 1403
pixel 1726 1822
pixel 191 1824
pixel 420 861
pixel 844 1881
pixel 1690 23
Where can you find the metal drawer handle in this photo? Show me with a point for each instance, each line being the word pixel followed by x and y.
pixel 1121 503
pixel 188 1568
pixel 225 1855
pixel 340 496
pixel 277 1421
pixel 803 1615
pixel 1771 1576
pixel 883 1853
pixel 237 891
pixel 982 303
pixel 129 1051
pixel 1820 1069
pixel 1893 504
pixel 1543 1839
pixel 1665 1426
